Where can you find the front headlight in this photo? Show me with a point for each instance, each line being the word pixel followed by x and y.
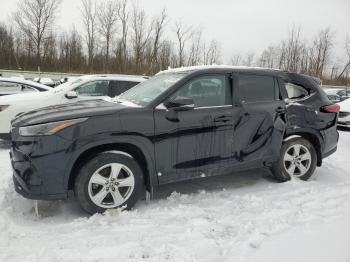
pixel 48 128
pixel 3 107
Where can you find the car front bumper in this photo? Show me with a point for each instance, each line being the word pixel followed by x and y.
pixel 37 175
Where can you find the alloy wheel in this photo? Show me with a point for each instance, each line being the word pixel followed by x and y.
pixel 297 160
pixel 111 185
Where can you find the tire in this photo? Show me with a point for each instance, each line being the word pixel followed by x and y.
pixel 109 180
pixel 301 166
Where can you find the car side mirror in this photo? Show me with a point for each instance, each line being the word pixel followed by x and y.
pixel 71 94
pixel 180 103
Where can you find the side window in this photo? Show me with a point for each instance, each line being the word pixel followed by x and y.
pixel 205 91
pixel 26 88
pixel 296 91
pixel 8 87
pixel 118 87
pixel 95 88
pixel 256 88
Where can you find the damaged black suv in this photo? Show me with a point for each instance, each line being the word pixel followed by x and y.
pixel 181 124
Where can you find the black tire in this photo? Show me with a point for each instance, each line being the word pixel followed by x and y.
pixel 279 169
pixel 82 187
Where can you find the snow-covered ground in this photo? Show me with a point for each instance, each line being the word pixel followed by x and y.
pixel 242 217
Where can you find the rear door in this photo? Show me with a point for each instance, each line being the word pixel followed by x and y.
pixel 259 132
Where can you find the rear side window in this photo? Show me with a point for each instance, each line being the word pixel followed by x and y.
pixel 256 88
pixel 8 87
pixel 296 91
pixel 118 87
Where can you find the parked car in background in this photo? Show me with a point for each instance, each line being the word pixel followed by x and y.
pixel 181 124
pixel 334 98
pixel 11 86
pixel 67 79
pixel 83 88
pixel 343 93
pixel 344 114
pixel 45 81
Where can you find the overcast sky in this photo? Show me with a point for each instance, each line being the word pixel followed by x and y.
pixel 238 25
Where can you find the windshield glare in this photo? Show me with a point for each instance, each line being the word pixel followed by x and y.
pixel 145 92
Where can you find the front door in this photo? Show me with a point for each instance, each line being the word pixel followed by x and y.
pixel 198 140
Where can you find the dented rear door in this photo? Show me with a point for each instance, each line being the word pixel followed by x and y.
pixel 260 127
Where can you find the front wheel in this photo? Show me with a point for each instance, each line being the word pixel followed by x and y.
pixel 109 180
pixel 298 159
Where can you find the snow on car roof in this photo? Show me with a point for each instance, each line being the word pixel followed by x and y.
pixel 25 82
pixel 133 78
pixel 201 67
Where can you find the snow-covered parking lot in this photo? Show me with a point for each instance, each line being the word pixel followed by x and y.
pixel 242 217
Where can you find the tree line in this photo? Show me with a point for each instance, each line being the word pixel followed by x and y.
pixel 116 36
pixel 308 56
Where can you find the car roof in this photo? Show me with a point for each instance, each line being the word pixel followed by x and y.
pixel 25 82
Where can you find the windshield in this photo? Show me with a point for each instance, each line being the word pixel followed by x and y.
pixel 144 93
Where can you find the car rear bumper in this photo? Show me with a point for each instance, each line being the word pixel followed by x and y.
pixel 330 141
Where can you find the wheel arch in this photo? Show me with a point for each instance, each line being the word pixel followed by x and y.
pixel 138 152
pixel 313 138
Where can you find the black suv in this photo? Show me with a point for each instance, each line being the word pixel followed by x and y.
pixel 180 124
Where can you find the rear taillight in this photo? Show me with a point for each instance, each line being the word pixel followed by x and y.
pixel 335 108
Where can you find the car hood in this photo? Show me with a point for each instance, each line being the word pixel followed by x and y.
pixel 67 111
pixel 31 96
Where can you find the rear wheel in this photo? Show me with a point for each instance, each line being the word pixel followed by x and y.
pixel 109 180
pixel 298 159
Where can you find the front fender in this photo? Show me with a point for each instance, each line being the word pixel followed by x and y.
pixel 79 146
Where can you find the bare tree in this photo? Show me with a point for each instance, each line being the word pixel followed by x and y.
pixel 107 20
pixel 7 54
pixel 124 20
pixel 158 26
pixel 71 57
pixel 249 59
pixel 236 59
pixel 347 64
pixel 140 36
pixel 212 54
pixel 268 57
pixel 35 18
pixel 89 13
pixel 321 48
pixel 183 33
pixel 196 51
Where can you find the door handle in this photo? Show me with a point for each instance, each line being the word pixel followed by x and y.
pixel 222 119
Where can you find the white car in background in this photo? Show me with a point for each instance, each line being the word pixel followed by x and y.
pixel 15 85
pixel 45 81
pixel 83 88
pixel 344 114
